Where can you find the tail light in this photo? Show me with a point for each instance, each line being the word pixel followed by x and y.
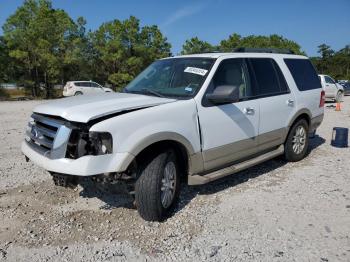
pixel 323 98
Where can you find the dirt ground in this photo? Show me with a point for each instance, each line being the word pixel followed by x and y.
pixel 276 211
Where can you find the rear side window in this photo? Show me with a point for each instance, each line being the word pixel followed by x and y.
pixel 86 84
pixel 268 76
pixel 304 74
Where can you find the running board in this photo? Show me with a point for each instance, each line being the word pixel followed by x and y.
pixel 200 180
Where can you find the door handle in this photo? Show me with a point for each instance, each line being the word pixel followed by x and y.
pixel 249 111
pixel 290 102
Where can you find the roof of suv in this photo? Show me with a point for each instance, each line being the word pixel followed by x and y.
pixel 238 54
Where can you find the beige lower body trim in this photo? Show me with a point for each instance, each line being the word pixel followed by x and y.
pixel 222 155
pixel 219 156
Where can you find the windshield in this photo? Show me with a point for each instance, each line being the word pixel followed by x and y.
pixel 176 77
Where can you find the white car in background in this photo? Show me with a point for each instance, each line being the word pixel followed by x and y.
pixel 332 89
pixel 74 88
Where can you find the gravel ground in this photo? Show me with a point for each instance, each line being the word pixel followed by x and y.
pixel 276 211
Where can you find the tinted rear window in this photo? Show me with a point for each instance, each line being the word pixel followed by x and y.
pixel 268 76
pixel 304 74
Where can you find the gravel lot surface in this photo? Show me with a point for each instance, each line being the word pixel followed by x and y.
pixel 276 211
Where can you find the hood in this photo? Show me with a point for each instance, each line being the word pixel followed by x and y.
pixel 88 107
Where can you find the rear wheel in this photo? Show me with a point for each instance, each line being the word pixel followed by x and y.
pixel 297 142
pixel 78 93
pixel 157 188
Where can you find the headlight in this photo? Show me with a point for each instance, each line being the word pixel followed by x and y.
pixel 89 143
pixel 101 143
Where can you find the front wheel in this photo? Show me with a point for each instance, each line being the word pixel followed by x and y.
pixel 157 189
pixel 297 142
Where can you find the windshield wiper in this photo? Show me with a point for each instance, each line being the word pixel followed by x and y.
pixel 150 91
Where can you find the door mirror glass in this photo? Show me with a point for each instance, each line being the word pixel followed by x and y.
pixel 224 94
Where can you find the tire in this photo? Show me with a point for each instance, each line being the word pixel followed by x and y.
pixel 297 142
pixel 78 93
pixel 339 96
pixel 150 188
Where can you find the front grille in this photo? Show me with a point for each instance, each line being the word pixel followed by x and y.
pixel 47 135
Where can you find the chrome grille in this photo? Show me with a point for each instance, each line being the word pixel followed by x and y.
pixel 48 136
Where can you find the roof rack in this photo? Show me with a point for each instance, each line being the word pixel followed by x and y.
pixel 263 50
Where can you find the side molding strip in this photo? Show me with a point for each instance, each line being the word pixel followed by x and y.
pixel 200 180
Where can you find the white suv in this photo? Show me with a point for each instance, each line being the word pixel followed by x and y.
pixel 74 88
pixel 195 118
pixel 333 90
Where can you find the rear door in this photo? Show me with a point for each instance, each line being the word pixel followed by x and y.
pixel 229 131
pixel 86 87
pixel 96 88
pixel 277 102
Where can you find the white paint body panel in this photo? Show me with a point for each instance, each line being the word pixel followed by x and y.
pixel 143 126
pixel 88 107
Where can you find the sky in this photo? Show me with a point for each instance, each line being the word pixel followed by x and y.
pixel 308 22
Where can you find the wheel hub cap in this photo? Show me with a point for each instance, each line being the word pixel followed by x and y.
pixel 168 184
pixel 299 140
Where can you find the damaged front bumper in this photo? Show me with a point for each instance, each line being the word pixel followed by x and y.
pixel 83 166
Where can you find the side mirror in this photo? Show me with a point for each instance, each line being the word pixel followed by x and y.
pixel 224 95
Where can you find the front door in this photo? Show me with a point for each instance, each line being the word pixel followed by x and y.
pixel 229 131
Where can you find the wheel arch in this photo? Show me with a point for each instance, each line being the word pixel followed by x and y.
pixel 301 114
pixel 160 141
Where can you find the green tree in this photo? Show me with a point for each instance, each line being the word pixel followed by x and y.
pixel 259 41
pixel 39 39
pixel 325 51
pixel 196 46
pixel 335 64
pixel 122 49
pixel 231 43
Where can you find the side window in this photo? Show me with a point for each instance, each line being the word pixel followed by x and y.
pixel 267 77
pixel 304 74
pixel 94 84
pixel 233 72
pixel 329 80
pixel 86 84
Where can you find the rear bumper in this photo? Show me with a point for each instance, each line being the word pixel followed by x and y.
pixel 67 93
pixel 315 123
pixel 83 166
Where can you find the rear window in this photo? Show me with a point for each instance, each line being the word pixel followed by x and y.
pixel 304 74
pixel 268 76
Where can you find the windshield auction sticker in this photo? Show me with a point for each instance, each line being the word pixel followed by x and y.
pixel 195 70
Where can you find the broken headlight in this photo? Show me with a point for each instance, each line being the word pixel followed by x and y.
pixel 89 143
pixel 100 143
